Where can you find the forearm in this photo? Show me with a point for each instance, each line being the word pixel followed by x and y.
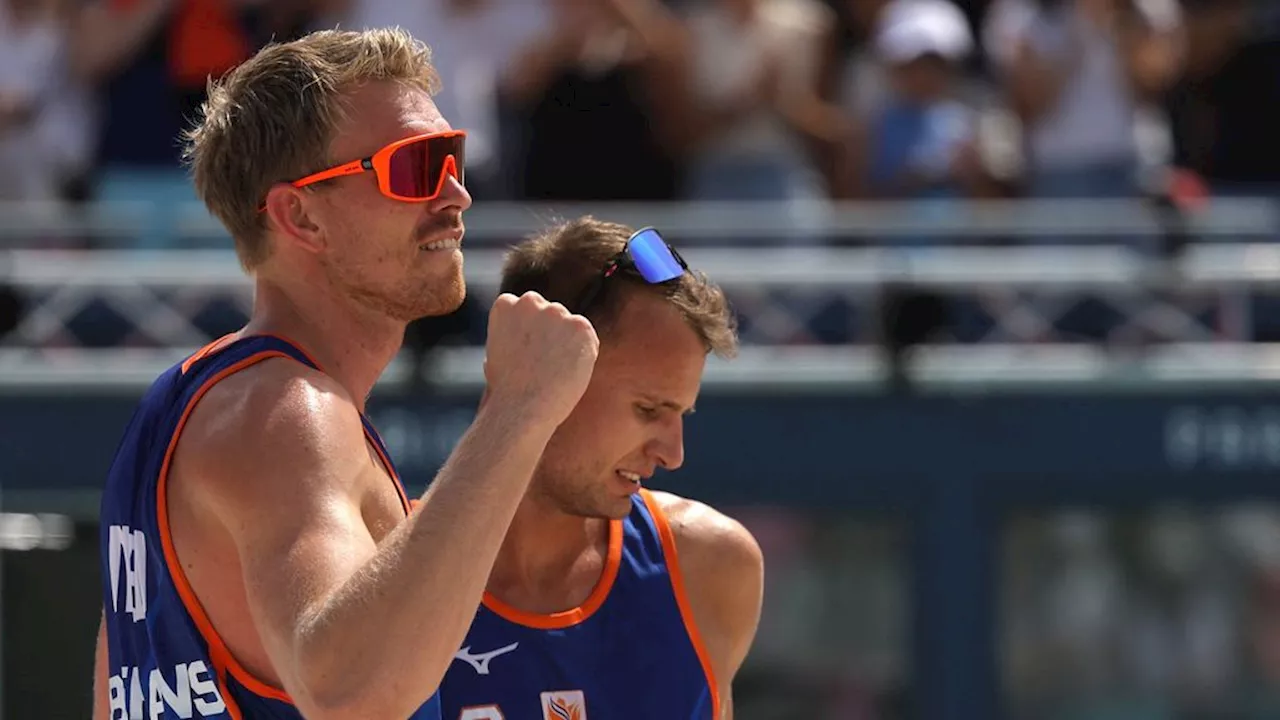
pixel 657 27
pixel 107 39
pixel 534 68
pixel 399 620
pixel 1154 61
pixel 1034 84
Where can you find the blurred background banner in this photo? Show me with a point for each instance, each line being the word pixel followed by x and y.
pixel 1005 421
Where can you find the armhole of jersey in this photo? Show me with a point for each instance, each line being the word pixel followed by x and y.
pixel 375 439
pixel 223 661
pixel 670 557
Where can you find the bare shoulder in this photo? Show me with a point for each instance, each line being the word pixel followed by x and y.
pixel 276 419
pixel 722 570
pixel 709 542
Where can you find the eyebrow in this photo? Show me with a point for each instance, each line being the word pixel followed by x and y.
pixel 670 405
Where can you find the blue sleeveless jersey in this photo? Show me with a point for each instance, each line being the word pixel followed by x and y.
pixel 630 652
pixel 164 658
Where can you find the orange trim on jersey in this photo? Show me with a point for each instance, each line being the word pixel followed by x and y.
pixel 682 596
pixel 206 350
pixel 569 618
pixel 229 338
pixel 223 661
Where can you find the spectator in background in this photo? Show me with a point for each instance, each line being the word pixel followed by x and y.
pixel 1077 72
pixel 45 121
pixel 1226 108
pixel 604 97
pixel 854 78
pixel 151 61
pixel 921 142
pixel 472 46
pixel 755 86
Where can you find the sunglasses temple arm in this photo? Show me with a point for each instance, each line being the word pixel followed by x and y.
pixel 589 296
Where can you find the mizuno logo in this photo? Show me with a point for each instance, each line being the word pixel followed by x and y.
pixel 480 661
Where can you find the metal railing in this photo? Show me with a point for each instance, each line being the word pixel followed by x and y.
pixel 780 288
pixel 728 222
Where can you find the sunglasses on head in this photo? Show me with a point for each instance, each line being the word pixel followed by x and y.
pixel 410 170
pixel 647 255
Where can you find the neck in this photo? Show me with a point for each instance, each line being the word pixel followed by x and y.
pixel 543 545
pixel 351 344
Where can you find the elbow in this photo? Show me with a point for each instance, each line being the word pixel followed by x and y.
pixel 391 696
pixel 324 698
pixel 338 685
pixel 327 705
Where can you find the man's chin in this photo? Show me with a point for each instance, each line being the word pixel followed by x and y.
pixel 443 302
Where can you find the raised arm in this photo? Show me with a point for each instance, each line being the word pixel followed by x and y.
pixel 355 628
pixel 106 38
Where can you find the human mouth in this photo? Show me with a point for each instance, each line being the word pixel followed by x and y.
pixel 633 478
pixel 450 243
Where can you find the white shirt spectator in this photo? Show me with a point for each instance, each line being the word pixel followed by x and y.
pixel 1092 121
pixel 40 154
pixel 729 59
pixel 470 50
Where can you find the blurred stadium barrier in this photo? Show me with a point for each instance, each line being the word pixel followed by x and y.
pixel 826 308
pixel 1055 524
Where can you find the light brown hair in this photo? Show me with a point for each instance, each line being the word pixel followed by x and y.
pixel 563 261
pixel 271 119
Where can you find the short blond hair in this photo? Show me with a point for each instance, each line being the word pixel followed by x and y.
pixel 272 118
pixel 561 262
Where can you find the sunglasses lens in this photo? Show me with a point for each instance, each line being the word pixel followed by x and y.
pixel 416 169
pixel 653 258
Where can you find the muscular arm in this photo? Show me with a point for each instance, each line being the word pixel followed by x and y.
pixel 351 628
pixel 723 573
pixel 101 700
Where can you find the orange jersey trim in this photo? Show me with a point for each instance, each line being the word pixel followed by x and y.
pixel 233 337
pixel 682 596
pixel 568 618
pixel 223 661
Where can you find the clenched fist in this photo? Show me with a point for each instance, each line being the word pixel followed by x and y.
pixel 539 356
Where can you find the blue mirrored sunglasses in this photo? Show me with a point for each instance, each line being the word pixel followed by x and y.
pixel 646 254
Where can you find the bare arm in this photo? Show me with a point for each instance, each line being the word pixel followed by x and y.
pixel 667 67
pixel 804 97
pixel 1034 83
pixel 101 698
pixel 277 455
pixel 352 628
pixel 536 65
pixel 723 571
pixel 105 39
pixel 1152 41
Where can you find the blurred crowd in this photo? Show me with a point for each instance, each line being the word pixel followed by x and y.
pixel 1170 613
pixel 694 99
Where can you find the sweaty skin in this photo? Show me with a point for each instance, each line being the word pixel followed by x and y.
pixel 284 518
pixel 631 418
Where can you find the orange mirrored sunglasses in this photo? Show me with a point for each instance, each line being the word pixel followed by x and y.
pixel 410 170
